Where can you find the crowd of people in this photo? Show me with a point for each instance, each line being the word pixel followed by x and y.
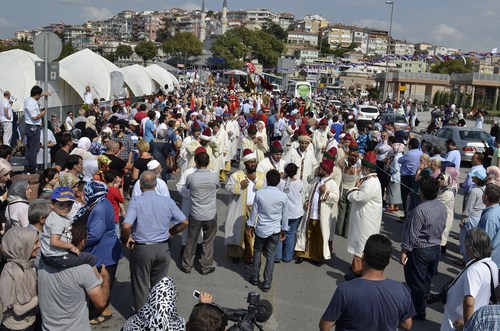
pixel 298 173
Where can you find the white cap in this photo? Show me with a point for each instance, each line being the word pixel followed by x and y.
pixel 152 165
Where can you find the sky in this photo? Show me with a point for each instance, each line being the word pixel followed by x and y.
pixel 463 24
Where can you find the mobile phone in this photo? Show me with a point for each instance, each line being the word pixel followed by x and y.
pixel 196 294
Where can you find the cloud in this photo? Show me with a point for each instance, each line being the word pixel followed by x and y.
pixel 446 33
pixel 488 14
pixel 93 13
pixel 369 23
pixel 71 2
pixel 189 6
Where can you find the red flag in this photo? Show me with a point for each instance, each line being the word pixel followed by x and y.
pixel 265 84
pixel 192 102
pixel 250 66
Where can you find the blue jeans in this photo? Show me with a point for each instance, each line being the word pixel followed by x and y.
pixel 32 133
pixel 285 248
pixel 269 246
pixel 421 266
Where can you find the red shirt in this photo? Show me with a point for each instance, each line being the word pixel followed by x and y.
pixel 139 116
pixel 115 197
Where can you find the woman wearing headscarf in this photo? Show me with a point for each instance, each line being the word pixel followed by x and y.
pixel 82 149
pixel 493 175
pixel 447 197
pixel 16 212
pixel 102 241
pixel 160 310
pixel 18 282
pixel 90 128
pixel 102 166
pixel 90 168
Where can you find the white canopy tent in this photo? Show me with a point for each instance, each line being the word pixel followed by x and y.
pixel 159 75
pixel 138 80
pixel 18 74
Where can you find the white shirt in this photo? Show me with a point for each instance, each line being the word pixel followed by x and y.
pixel 161 188
pixel 315 201
pixel 87 98
pixel 475 281
pixel 294 193
pixel 250 193
pixel 6 104
pixel 50 140
pixel 31 109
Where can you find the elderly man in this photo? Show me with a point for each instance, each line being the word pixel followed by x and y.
pixel 274 161
pixel 366 212
pixel 304 159
pixel 161 186
pixel 150 222
pixel 242 186
pixel 313 235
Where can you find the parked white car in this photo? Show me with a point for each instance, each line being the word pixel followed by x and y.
pixel 367 113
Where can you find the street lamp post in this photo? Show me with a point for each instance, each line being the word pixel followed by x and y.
pixel 386 92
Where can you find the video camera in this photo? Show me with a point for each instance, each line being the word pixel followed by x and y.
pixel 258 311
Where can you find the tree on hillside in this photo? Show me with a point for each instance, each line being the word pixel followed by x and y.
pixel 165 32
pixel 67 50
pixel 146 50
pixel 124 51
pixel 274 29
pixel 452 66
pixel 241 44
pixel 183 44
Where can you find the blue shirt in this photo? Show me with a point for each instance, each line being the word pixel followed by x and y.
pixel 269 206
pixel 151 216
pixel 454 157
pixel 410 162
pixel 490 222
pixel 148 131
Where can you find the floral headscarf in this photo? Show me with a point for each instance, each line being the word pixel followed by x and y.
pixel 160 310
pixel 94 193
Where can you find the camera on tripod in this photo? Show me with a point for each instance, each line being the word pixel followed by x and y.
pixel 258 311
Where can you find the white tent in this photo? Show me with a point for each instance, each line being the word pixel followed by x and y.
pixel 88 68
pixel 18 74
pixel 138 80
pixel 159 75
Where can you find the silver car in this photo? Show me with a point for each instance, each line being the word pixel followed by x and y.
pixel 468 140
pixel 398 120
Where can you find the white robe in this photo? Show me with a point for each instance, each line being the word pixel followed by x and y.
pixel 221 140
pixel 366 214
pixel 328 201
pixel 237 208
pixel 319 142
pixel 189 145
pixel 233 132
pixel 265 165
pixel 448 199
pixel 259 148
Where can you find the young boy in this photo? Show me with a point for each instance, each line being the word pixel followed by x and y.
pixel 115 196
pixel 57 249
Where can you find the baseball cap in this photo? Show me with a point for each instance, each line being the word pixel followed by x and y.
pixel 479 173
pixel 62 193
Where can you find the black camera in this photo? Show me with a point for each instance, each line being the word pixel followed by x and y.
pixel 438 297
pixel 258 311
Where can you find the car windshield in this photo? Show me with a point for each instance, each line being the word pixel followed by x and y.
pixel 395 119
pixel 472 135
pixel 368 110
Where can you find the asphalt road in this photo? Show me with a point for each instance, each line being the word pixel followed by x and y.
pixel 300 293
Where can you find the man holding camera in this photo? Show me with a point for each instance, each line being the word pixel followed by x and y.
pixel 421 244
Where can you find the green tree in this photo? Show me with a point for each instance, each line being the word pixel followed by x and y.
pixel 111 57
pixel 452 66
pixel 239 45
pixel 67 50
pixel 165 32
pixel 124 51
pixel 146 50
pixel 183 44
pixel 274 29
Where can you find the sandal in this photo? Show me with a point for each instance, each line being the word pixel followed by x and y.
pixel 390 210
pixel 96 321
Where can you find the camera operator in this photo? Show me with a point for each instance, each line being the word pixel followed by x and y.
pixel 206 316
pixel 471 289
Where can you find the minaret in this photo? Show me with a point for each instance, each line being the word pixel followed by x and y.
pixel 203 24
pixel 224 17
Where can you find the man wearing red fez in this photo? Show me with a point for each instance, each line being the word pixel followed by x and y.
pixel 254 142
pixel 274 161
pixel 313 234
pixel 189 145
pixel 366 211
pixel 320 139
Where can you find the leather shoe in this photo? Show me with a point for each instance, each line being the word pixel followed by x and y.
pixel 299 260
pixel 209 271
pixel 185 270
pixel 253 281
pixel 266 288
